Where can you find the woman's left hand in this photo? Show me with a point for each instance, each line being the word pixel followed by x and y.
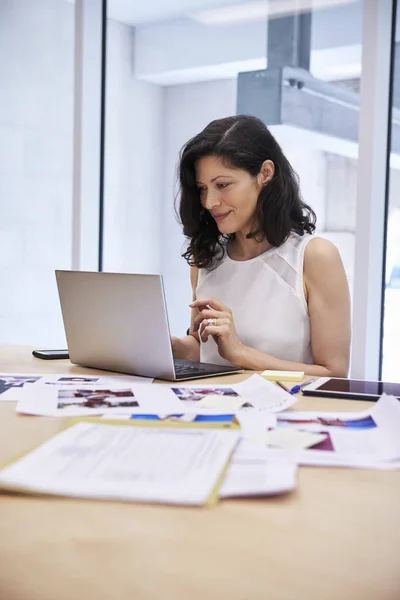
pixel 216 320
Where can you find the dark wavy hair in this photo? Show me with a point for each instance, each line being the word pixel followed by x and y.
pixel 241 142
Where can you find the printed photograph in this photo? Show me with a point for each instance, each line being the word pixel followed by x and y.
pixel 196 394
pixel 89 398
pixel 8 382
pixel 326 444
pixel 363 423
pixel 185 418
pixel 80 380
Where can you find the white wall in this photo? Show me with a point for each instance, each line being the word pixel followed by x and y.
pixel 133 161
pixel 36 74
pixel 309 164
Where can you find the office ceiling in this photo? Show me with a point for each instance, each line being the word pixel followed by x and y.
pixel 134 12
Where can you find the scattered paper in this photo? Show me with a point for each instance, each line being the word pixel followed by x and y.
pixel 367 439
pixel 120 462
pixel 254 472
pixel 254 422
pixel 290 439
pixel 120 394
pixel 68 401
pixel 207 418
pixel 217 401
pixel 263 394
pixel 254 392
pixel 14 386
pixel 192 396
pixel 97 380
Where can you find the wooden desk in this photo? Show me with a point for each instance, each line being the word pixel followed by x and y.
pixel 337 537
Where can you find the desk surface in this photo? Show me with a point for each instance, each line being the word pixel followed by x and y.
pixel 336 537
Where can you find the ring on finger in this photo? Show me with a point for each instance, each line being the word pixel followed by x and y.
pixel 212 322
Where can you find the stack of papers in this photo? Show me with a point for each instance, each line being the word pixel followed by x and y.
pixel 114 462
pixel 254 472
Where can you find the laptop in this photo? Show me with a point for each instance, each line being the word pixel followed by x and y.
pixel 118 322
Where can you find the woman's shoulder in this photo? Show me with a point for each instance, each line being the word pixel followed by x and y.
pixel 320 249
pixel 320 257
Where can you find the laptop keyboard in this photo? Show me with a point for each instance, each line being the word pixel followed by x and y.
pixel 184 369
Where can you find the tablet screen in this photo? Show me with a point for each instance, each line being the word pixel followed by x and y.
pixel 372 388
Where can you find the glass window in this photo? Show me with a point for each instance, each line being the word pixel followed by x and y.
pixel 36 124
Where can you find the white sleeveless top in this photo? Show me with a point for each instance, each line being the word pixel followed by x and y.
pixel 266 295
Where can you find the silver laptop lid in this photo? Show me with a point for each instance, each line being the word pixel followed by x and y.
pixel 116 322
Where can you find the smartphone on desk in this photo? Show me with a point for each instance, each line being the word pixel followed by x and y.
pixel 50 354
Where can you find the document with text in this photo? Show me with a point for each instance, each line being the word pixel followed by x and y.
pixel 121 462
pixel 254 472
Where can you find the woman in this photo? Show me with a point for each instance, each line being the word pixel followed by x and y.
pixel 267 294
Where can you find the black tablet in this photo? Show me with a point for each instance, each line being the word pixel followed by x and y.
pixel 355 389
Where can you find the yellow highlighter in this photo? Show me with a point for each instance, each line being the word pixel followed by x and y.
pixel 283 375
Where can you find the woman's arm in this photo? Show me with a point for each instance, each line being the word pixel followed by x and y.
pixel 188 347
pixel 328 300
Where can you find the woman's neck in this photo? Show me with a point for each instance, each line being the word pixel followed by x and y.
pixel 243 248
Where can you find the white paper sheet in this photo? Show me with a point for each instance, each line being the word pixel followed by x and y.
pixel 264 395
pixel 254 423
pixel 178 466
pixel 99 380
pixel 290 439
pixel 254 392
pixel 14 386
pixel 214 401
pixel 254 472
pixel 68 401
pixel 368 438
